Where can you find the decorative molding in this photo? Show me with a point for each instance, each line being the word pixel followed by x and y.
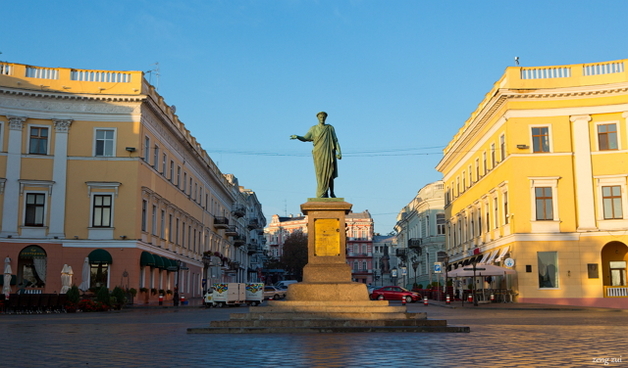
pixel 36 183
pixel 16 122
pixel 91 185
pixel 62 125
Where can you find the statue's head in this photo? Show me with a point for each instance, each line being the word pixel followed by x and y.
pixel 323 113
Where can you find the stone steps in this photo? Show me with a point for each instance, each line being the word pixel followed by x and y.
pixel 250 330
pixel 345 315
pixel 310 323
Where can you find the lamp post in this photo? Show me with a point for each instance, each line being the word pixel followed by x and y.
pixel 415 265
pixel 446 261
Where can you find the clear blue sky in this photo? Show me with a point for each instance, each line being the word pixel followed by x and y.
pixel 398 78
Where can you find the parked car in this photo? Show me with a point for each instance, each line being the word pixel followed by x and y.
pixel 395 293
pixel 273 292
pixel 283 284
pixel 370 289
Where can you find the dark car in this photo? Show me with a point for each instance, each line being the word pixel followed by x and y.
pixel 395 293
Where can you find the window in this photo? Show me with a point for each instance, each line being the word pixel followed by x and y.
pixel 176 232
pixel 38 144
pixel 101 212
pixel 162 228
pixel 540 139
pixel 611 202
pixel 607 137
pixel 154 220
pixel 502 147
pixel 544 204
pixel 170 228
pixel 156 157
pixel 144 204
pixel 470 176
pixel 440 224
pixel 477 169
pixel 505 197
pixel 496 210
pixel 548 270
pixel 178 176
pixel 185 180
pixel 163 164
pixel 35 204
pixel 484 162
pixel 171 170
pixel 493 156
pixel 104 145
pixel 146 149
pixel 464 181
pixel 32 264
pixel 364 266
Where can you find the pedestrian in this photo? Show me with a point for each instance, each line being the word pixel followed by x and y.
pixel 175 298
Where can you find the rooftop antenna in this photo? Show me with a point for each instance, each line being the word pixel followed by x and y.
pixel 517 60
pixel 157 74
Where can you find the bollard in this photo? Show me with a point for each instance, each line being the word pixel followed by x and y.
pixel 161 299
pixel 470 298
pixel 447 300
pixel 403 300
pixel 425 301
pixel 492 298
pixel 183 302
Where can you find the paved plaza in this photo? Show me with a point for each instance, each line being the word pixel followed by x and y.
pixel 505 335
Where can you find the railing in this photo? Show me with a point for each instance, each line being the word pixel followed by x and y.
pixel 99 76
pixel 603 68
pixel 43 73
pixel 5 69
pixel 616 291
pixel 544 73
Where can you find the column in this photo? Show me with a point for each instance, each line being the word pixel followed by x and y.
pixel 59 177
pixel 583 179
pixel 12 186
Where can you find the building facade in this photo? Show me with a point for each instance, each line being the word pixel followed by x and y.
pixel 535 181
pixel 98 173
pixel 421 228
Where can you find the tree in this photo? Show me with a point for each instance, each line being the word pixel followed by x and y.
pixel 294 256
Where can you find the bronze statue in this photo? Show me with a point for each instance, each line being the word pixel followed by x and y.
pixel 326 150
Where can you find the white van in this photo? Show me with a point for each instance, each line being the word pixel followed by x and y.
pixel 284 283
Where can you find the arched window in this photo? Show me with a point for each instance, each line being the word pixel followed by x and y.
pixel 32 264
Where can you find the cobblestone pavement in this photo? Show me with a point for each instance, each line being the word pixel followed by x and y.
pixel 503 336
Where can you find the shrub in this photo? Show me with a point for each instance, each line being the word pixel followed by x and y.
pixel 143 290
pixel 420 286
pixel 133 292
pixel 153 291
pixel 74 295
pixel 103 296
pixel 119 294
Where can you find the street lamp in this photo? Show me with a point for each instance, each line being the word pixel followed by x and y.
pixel 415 265
pixel 446 261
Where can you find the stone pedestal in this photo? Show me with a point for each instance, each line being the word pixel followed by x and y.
pixel 327 276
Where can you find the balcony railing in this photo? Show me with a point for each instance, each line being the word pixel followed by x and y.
pixel 616 291
pixel 239 240
pixel 414 242
pixel 221 222
pixel 239 211
pixel 231 230
pixel 253 224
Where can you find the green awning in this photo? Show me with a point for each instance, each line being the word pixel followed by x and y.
pixel 33 251
pixel 147 259
pixel 159 261
pixel 172 264
pixel 100 256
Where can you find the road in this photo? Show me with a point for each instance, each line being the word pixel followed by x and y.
pixel 152 337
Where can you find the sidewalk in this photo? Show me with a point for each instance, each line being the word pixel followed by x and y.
pixel 193 303
pixel 519 306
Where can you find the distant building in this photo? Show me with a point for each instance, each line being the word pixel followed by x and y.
pixel 420 231
pixel 359 232
pixel 536 182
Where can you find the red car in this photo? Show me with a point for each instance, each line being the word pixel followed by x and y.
pixel 395 293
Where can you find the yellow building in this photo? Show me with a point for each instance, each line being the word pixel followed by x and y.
pixel 536 179
pixel 98 173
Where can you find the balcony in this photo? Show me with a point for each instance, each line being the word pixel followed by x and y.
pixel 252 249
pixel 221 222
pixel 415 242
pixel 253 224
pixel 400 252
pixel 231 230
pixel 239 211
pixel 238 240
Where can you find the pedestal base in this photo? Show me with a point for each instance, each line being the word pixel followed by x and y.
pixel 342 291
